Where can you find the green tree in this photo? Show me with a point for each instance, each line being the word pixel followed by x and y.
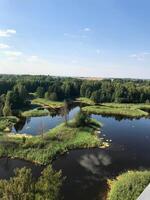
pixel 7 107
pixel 23 187
pixel 53 96
pixel 47 95
pixel 95 97
pixel 40 92
pixel 19 187
pixel 2 102
pixel 20 95
pixel 49 185
pixel 64 111
pixel 81 119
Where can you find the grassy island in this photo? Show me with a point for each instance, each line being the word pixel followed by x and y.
pixel 126 110
pixel 35 113
pixel 129 185
pixel 43 149
pixel 85 100
pixel 47 103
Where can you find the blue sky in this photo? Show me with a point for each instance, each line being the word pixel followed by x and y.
pixel 105 38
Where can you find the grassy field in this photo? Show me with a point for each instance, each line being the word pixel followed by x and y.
pixel 35 113
pixel 7 122
pixel 85 100
pixel 47 103
pixel 43 149
pixel 127 110
pixel 129 185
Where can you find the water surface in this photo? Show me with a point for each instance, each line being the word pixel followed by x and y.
pixel 36 125
pixel 7 167
pixel 87 170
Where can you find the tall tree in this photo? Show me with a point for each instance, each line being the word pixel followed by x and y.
pixel 7 107
pixel 40 92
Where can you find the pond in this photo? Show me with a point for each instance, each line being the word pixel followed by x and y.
pixel 36 125
pixel 86 170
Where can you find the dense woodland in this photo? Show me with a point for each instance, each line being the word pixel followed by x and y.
pixel 17 90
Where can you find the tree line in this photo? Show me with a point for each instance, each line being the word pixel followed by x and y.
pixel 17 90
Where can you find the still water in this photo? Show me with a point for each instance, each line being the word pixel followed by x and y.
pixel 36 125
pixel 86 170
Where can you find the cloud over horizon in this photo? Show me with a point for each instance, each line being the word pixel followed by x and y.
pixel 7 32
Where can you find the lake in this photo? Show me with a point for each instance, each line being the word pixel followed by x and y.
pixel 86 170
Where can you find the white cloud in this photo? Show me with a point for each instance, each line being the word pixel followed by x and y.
pixel 7 32
pixel 140 56
pixel 4 46
pixel 13 53
pixel 87 29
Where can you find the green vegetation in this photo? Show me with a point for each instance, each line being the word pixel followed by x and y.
pixel 82 119
pixel 127 110
pixel 47 103
pixel 42 149
pixel 58 89
pixel 7 122
pixel 129 185
pixel 35 113
pixel 24 187
pixel 85 100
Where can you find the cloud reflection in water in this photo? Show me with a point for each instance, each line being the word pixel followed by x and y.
pixel 94 163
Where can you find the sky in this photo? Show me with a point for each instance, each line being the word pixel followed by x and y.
pixel 96 38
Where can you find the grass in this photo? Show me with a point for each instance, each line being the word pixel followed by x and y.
pixel 35 113
pixel 47 103
pixel 126 110
pixel 55 142
pixel 85 100
pixel 7 122
pixel 129 185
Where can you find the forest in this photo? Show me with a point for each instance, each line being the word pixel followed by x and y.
pixel 43 117
pixel 17 90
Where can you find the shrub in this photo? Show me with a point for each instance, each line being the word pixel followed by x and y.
pixel 81 119
pixel 129 185
pixel 23 187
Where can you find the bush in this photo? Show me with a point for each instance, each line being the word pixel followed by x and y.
pixel 129 185
pixel 81 119
pixel 23 187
